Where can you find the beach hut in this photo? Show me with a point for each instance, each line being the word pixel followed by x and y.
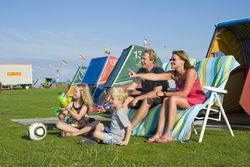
pixel 129 59
pixel 98 72
pixel 77 79
pixel 233 38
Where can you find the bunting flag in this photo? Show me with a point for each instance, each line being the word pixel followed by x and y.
pixel 64 62
pixel 106 51
pixel 82 57
pixel 146 42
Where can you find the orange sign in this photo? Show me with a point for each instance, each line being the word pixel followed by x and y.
pixel 14 73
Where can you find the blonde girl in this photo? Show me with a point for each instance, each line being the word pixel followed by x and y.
pixel 76 110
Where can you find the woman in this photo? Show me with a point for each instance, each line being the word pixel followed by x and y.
pixel 188 93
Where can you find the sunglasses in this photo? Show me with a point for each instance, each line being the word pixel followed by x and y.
pixel 173 59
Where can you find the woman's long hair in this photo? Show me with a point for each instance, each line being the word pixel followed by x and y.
pixel 183 56
pixel 85 95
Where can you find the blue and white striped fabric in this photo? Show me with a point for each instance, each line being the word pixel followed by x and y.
pixel 212 72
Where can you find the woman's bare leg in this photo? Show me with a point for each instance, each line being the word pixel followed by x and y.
pixel 174 101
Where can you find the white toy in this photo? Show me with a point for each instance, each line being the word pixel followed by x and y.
pixel 37 131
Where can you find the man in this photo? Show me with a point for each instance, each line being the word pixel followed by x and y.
pixel 147 98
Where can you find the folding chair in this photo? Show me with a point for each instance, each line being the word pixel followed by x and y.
pixel 214 97
pixel 215 91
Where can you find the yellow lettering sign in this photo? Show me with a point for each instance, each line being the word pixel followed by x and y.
pixel 14 73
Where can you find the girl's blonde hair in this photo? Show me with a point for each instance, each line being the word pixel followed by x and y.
pixel 85 95
pixel 120 93
pixel 183 56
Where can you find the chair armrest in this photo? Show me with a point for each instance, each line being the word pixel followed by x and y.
pixel 213 89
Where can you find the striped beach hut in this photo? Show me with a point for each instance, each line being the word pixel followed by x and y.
pixel 233 38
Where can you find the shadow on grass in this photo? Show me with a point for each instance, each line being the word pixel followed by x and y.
pixel 210 134
pixel 57 134
pixel 50 126
pixel 25 137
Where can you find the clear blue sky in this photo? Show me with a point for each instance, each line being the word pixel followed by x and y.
pixel 47 31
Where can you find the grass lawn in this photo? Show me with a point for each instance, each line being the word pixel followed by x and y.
pixel 218 147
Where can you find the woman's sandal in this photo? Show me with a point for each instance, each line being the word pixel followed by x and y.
pixel 164 140
pixel 151 140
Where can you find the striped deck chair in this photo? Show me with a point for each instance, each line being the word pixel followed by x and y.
pixel 213 72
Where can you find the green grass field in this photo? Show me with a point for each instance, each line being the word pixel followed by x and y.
pixel 218 147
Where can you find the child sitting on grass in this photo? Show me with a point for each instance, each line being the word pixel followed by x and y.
pixel 120 127
pixel 77 110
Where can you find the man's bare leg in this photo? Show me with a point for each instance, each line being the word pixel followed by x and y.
pixel 141 112
pixel 161 121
